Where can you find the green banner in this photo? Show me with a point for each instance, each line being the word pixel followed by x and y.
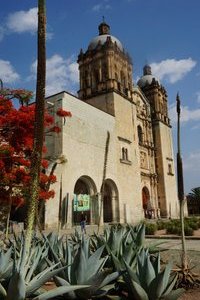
pixel 81 202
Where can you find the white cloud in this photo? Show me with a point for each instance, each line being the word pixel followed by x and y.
pixel 192 162
pixel 187 114
pixel 101 6
pixel 62 74
pixel 7 72
pixel 198 96
pixel 172 69
pixel 97 7
pixel 2 31
pixel 23 21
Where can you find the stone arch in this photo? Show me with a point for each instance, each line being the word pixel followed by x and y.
pixel 145 200
pixel 110 202
pixel 140 134
pixel 85 199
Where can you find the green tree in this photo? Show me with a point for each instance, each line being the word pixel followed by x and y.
pixel 195 194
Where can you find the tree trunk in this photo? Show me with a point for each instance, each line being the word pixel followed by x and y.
pixel 39 123
pixel 104 177
pixel 184 261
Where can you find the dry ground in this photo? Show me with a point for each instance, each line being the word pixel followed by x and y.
pixel 194 263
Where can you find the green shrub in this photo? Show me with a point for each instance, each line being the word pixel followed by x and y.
pixel 193 225
pixel 161 225
pixel 188 230
pixel 192 222
pixel 150 229
pixel 175 228
pixel 172 228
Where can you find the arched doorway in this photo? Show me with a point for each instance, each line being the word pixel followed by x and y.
pixel 110 202
pixel 85 200
pixel 145 201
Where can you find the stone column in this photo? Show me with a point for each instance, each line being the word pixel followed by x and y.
pixel 69 212
pixel 114 208
pixel 99 208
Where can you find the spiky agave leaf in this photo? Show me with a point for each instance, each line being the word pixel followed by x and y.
pixel 16 287
pixel 6 264
pixel 59 291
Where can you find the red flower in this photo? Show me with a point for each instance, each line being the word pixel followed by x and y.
pixel 52 178
pixel 63 113
pixel 55 129
pixel 45 163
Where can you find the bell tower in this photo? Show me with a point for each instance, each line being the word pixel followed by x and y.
pixel 156 94
pixel 162 136
pixel 105 67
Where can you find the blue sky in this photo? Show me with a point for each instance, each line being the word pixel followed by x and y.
pixel 164 33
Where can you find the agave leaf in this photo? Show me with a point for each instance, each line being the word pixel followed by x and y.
pixel 150 272
pixel 68 259
pixel 138 292
pixel 117 263
pixel 154 247
pixel 114 241
pixel 156 264
pixel 4 260
pixel 16 287
pixel 174 295
pixel 140 237
pixel 2 291
pixel 170 286
pixel 159 284
pixel 62 282
pixel 146 271
pixel 115 297
pixel 6 264
pixel 94 284
pixel 41 278
pixel 109 278
pixel 132 275
pixel 59 291
pixel 85 245
pixel 130 255
pixel 94 263
pixel 34 262
pixel 141 259
pixel 78 268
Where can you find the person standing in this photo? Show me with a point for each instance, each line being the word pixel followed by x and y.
pixel 83 222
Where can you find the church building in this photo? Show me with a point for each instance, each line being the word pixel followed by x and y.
pixel 115 154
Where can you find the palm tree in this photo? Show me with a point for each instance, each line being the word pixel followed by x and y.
pixel 193 201
pixel 195 194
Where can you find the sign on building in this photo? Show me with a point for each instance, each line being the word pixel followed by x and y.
pixel 81 202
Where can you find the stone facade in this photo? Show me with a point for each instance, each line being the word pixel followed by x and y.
pixel 140 176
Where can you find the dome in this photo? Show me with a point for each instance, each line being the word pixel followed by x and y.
pixel 147 77
pixel 146 80
pixel 102 40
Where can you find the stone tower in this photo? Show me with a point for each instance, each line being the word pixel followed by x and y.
pixel 162 135
pixel 105 67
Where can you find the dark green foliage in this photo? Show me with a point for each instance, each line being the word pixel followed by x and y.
pixel 174 227
pixel 149 282
pixel 150 228
pixel 161 225
pixel 81 267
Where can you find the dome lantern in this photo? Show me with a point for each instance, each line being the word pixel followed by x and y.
pixel 104 28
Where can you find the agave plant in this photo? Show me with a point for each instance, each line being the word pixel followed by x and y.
pixel 21 272
pixel 86 270
pixel 121 243
pixel 149 282
pixel 6 265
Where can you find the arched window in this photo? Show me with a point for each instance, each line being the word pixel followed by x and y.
pixel 140 134
pixel 124 153
pixel 170 169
